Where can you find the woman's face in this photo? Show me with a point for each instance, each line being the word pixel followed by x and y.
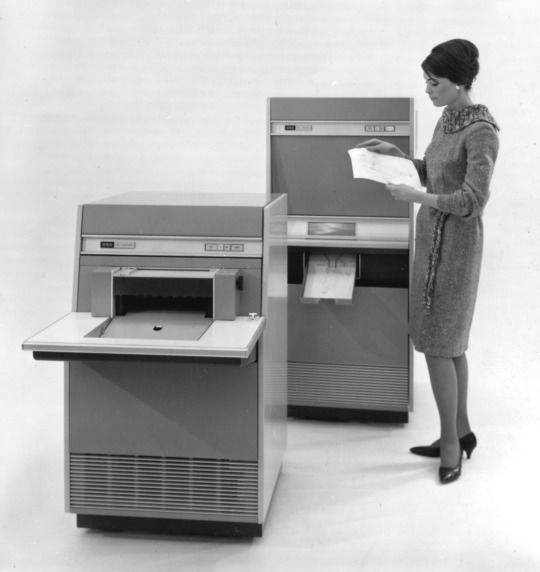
pixel 441 91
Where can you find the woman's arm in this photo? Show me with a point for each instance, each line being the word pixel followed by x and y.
pixel 382 147
pixel 469 200
pixel 420 166
pixel 412 195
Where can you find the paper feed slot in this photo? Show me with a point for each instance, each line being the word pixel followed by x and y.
pixel 126 290
pixel 330 276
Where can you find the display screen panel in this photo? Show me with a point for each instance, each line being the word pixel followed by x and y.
pixel 332 229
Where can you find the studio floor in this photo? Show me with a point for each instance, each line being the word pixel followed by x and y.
pixel 350 497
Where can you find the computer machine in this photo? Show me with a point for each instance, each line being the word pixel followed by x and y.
pixel 349 254
pixel 175 362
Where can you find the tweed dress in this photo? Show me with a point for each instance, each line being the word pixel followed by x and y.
pixel 457 167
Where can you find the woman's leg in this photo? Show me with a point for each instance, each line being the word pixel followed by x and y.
pixel 442 373
pixel 462 372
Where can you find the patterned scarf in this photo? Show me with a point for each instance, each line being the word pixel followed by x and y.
pixel 454 120
pixel 434 254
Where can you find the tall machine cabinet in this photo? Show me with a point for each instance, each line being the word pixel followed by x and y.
pixel 349 351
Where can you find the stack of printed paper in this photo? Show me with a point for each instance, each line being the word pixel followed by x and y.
pixel 330 276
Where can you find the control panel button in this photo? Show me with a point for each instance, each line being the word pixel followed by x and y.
pixel 124 244
pixel 380 128
pixel 118 244
pixel 224 247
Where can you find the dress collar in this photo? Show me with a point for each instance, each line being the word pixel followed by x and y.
pixel 454 120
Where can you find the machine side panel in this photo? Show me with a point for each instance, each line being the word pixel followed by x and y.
pixel 316 174
pixel 74 298
pixel 66 436
pixel 167 409
pixel 377 323
pixel 411 347
pixel 273 350
pixel 167 220
pixel 358 359
pixel 340 109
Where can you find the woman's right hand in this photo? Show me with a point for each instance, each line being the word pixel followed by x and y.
pixel 378 146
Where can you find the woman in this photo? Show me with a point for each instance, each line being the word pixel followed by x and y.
pixel 456 171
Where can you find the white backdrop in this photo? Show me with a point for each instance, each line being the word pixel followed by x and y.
pixel 104 97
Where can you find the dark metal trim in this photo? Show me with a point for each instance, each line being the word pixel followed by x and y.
pixel 170 526
pixel 342 414
pixel 73 356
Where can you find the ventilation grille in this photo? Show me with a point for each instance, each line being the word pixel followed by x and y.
pixel 142 484
pixel 349 386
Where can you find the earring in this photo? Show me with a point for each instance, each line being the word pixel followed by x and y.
pixel 457 87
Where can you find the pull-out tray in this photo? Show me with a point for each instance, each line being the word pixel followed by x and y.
pixel 75 334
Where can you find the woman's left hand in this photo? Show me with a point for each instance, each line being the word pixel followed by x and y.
pixel 404 193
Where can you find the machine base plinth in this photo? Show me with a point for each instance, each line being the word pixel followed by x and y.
pixel 169 526
pixel 342 414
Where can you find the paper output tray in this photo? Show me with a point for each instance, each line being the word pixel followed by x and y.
pixel 233 339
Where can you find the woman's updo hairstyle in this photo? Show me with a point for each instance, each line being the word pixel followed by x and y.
pixel 456 60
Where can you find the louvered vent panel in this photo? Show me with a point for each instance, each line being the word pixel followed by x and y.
pixel 348 386
pixel 219 488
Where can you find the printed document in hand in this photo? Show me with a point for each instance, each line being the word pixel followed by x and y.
pixel 383 168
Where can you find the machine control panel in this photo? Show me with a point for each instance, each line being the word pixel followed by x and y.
pixel 223 247
pixel 121 244
pixel 298 127
pixel 380 128
pixel 343 128
pixel 118 245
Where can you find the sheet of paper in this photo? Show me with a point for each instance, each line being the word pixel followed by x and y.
pixel 383 168
pixel 158 325
pixel 330 276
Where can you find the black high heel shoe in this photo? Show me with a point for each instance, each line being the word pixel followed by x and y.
pixel 467 443
pixel 450 474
